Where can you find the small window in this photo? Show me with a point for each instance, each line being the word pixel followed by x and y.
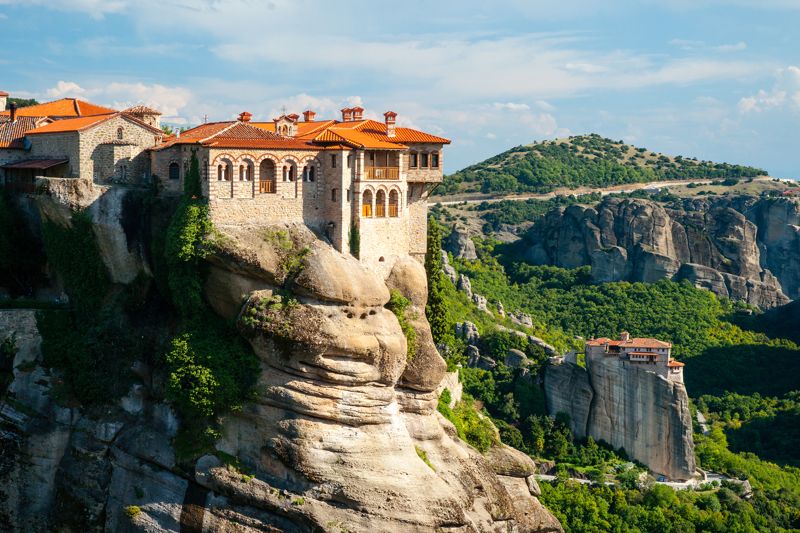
pixel 333 161
pixel 423 160
pixel 372 156
pixel 120 134
pixel 412 161
pixel 349 160
pixel 333 195
pixel 435 160
pixel 311 174
pixel 174 171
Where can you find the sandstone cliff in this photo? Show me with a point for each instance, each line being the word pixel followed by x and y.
pixel 628 407
pixel 334 439
pixel 731 247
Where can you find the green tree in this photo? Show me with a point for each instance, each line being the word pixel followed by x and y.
pixel 436 309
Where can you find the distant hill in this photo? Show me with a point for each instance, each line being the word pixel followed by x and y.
pixel 581 161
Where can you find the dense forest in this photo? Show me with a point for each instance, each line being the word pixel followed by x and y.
pixel 581 161
pixel 743 380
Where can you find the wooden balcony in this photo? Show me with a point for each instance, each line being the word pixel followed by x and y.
pixel 266 186
pixel 382 173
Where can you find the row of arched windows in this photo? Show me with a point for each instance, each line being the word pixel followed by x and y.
pixel 379 208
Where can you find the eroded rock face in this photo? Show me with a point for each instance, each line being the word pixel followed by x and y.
pixel 731 247
pixel 117 217
pixel 628 407
pixel 342 413
pixel 460 244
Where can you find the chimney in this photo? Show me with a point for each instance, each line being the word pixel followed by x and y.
pixel 3 100
pixel 244 116
pixel 390 117
pixel 625 336
pixel 12 109
pixel 358 113
pixel 309 115
pixel 347 114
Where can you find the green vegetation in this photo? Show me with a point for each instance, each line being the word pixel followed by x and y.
pixel 436 308
pixel 399 305
pixel 291 254
pixel 211 369
pixel 21 259
pixel 472 427
pixel 422 454
pixel 132 511
pixel 91 341
pixel 581 161
pixel 597 508
pixel 515 212
pixel 761 416
pixel 354 239
pixel 21 102
pixel 766 426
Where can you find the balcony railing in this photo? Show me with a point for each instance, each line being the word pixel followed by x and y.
pixel 266 186
pixel 382 173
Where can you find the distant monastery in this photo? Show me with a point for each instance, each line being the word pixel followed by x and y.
pixel 361 183
pixel 652 354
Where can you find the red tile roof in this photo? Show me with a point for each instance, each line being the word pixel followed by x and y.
pixel 675 364
pixel 63 108
pixel 12 133
pixel 3 93
pixel 638 342
pixel 70 124
pixel 364 134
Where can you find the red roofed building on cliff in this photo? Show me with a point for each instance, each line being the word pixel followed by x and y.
pixel 640 351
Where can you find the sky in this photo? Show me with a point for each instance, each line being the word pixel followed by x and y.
pixel 712 79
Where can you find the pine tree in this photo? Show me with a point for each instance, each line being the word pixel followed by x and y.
pixel 436 309
pixel 191 182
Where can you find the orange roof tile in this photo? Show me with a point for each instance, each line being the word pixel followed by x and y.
pixel 675 364
pixel 81 123
pixel 70 124
pixel 65 107
pixel 639 342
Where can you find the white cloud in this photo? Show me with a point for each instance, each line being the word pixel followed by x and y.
pixel 784 93
pixel 511 106
pixel 169 100
pixel 66 89
pixel 545 106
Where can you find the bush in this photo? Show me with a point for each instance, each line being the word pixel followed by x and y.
pixel 399 304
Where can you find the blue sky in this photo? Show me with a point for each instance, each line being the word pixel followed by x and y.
pixel 713 79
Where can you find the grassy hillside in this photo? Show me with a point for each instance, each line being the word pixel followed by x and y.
pixel 581 161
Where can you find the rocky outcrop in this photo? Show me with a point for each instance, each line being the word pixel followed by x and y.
pixel 731 247
pixel 460 244
pixel 342 410
pixel 117 220
pixel 628 407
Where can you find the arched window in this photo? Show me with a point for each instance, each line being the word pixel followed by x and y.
pixel 120 134
pixel 380 204
pixel 266 177
pixel 366 204
pixel 394 200
pixel 225 171
pixel 241 173
pixel 292 172
pixel 174 171
pixel 311 173
pixel 249 168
